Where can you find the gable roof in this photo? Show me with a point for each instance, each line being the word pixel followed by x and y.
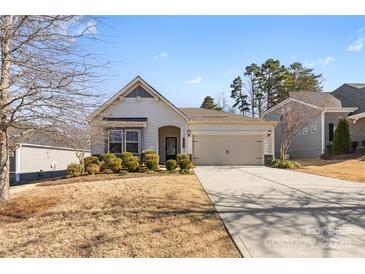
pixel 203 115
pixel 137 81
pixel 319 99
pixel 351 95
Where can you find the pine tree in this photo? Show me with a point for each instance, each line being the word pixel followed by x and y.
pixel 241 99
pixel 209 103
pixel 342 140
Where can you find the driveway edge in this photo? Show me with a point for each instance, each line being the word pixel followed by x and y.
pixel 237 241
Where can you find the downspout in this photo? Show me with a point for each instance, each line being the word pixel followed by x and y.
pixel 323 132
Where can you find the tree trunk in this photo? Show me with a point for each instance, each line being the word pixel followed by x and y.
pixel 4 97
pixel 4 167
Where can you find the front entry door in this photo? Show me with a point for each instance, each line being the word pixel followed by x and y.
pixel 171 148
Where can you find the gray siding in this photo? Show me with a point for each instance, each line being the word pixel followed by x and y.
pixel 302 146
pixel 357 130
pixel 331 117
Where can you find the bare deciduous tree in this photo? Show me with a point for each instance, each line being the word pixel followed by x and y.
pixel 46 77
pixel 294 116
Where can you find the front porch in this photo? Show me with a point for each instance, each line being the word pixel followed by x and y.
pixel 169 142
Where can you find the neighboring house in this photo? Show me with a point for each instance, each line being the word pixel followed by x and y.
pixel 39 157
pixel 138 118
pixel 325 110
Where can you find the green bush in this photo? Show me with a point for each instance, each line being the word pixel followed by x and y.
pixel 182 156
pixel 91 160
pixel 342 141
pixel 151 160
pixel 171 165
pixel 360 149
pixel 132 164
pixel 284 164
pixel 329 148
pixel 75 169
pixel 147 152
pixel 92 168
pixel 107 157
pixel 126 157
pixel 184 162
pixel 111 162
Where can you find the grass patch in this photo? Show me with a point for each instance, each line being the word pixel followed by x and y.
pixel 352 170
pixel 150 216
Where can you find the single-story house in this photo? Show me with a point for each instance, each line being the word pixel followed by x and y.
pixel 138 118
pixel 39 157
pixel 324 110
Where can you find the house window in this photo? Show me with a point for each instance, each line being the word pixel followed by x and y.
pixel 305 131
pixel 314 129
pixel 330 131
pixel 132 143
pixel 115 141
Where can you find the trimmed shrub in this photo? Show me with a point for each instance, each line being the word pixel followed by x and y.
pixel 111 162
pixel 75 169
pixel 342 141
pixel 184 161
pixel 132 164
pixel 151 160
pixel 147 152
pixel 91 160
pixel 126 157
pixel 284 164
pixel 360 149
pixel 107 157
pixel 115 164
pixel 92 168
pixel 171 165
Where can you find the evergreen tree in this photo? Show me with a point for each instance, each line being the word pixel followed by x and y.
pixel 241 99
pixel 209 103
pixel 342 140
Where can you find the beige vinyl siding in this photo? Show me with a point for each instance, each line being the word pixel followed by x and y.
pixel 228 149
pixel 158 114
pixel 34 159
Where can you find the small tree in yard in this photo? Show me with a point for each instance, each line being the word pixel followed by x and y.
pixel 293 118
pixel 46 77
pixel 342 140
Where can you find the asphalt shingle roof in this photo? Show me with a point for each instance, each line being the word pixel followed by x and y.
pixel 351 95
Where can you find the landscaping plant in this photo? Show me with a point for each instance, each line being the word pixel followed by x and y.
pixel 75 169
pixel 342 141
pixel 151 160
pixel 92 168
pixel 91 160
pixel 171 165
pixel 111 162
pixel 184 162
pixel 284 164
pixel 132 164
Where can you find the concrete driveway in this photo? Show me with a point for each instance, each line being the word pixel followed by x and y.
pixel 282 213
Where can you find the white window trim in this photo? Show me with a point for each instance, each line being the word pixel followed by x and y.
pixel 305 131
pixel 314 129
pixel 122 142
pixel 138 142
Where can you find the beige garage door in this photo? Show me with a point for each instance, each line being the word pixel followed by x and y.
pixel 227 150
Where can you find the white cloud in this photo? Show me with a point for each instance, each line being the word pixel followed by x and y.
pixel 320 62
pixel 326 61
pixel 195 80
pixel 162 55
pixel 357 45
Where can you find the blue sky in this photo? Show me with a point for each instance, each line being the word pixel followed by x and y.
pixel 188 57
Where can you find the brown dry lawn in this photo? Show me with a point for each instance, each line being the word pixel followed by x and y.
pixel 353 170
pixel 154 216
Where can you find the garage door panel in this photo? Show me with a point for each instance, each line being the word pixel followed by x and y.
pixel 227 150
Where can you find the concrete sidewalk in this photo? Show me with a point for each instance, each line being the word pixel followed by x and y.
pixel 282 213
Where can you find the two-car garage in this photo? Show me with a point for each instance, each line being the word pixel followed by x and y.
pixel 228 149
